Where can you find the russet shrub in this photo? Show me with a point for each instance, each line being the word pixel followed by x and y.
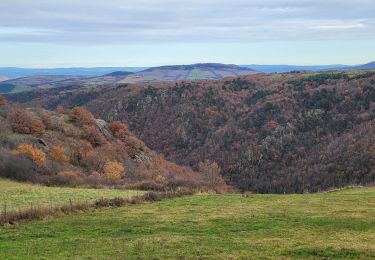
pixel 24 123
pixel 3 101
pixel 113 171
pixel 82 116
pixel 93 135
pixel 57 153
pixel 70 178
pixel 36 155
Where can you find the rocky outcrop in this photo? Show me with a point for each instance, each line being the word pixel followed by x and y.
pixel 103 128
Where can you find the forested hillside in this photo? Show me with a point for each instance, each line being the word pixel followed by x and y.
pixel 72 148
pixel 295 132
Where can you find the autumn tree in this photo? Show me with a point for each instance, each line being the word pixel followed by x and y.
pixel 160 179
pixel 3 101
pixel 85 150
pixel 36 155
pixel 119 129
pixel 24 123
pixel 94 136
pixel 82 116
pixel 82 153
pixel 46 119
pixel 57 153
pixel 113 171
pixel 133 144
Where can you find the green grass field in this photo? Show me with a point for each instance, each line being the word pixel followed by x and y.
pixel 199 74
pixel 17 195
pixel 335 225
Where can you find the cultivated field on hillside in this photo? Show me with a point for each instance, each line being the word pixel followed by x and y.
pixel 20 195
pixel 334 225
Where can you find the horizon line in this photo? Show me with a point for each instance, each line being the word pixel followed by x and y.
pixel 181 64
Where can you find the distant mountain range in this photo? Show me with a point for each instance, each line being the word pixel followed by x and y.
pixel 367 66
pixel 188 72
pixel 12 72
pixel 55 81
pixel 89 72
pixel 157 74
pixel 89 77
pixel 289 68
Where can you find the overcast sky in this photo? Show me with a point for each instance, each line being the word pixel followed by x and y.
pixel 49 33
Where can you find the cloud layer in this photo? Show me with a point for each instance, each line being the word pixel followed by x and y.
pixel 142 21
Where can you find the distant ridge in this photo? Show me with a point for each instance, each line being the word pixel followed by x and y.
pixel 289 68
pixel 55 78
pixel 370 65
pixel 12 72
pixel 200 66
pixel 188 72
pixel 119 73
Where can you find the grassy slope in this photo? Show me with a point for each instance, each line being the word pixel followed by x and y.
pixel 337 225
pixel 15 194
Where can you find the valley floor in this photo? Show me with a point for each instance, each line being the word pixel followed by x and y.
pixel 334 225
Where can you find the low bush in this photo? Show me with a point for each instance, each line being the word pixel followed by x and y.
pixel 36 155
pixel 23 123
pixel 68 178
pixel 3 101
pixel 82 116
pixel 16 167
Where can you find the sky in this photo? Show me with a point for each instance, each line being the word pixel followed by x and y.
pixel 89 33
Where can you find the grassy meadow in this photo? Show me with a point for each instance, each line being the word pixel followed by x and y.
pixel 18 195
pixel 334 225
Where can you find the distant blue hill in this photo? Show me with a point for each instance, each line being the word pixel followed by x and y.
pixel 288 68
pixel 91 72
pixel 366 66
pixel 12 72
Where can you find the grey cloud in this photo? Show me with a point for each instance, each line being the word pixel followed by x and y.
pixel 128 21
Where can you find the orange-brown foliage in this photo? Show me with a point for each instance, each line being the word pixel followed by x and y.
pixel 113 171
pixel 57 153
pixel 3 101
pixel 46 119
pixel 133 144
pixel 24 123
pixel 36 155
pixel 86 150
pixel 94 136
pixel 160 179
pixel 119 129
pixel 82 116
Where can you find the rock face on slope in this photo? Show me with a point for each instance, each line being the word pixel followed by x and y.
pixel 103 128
